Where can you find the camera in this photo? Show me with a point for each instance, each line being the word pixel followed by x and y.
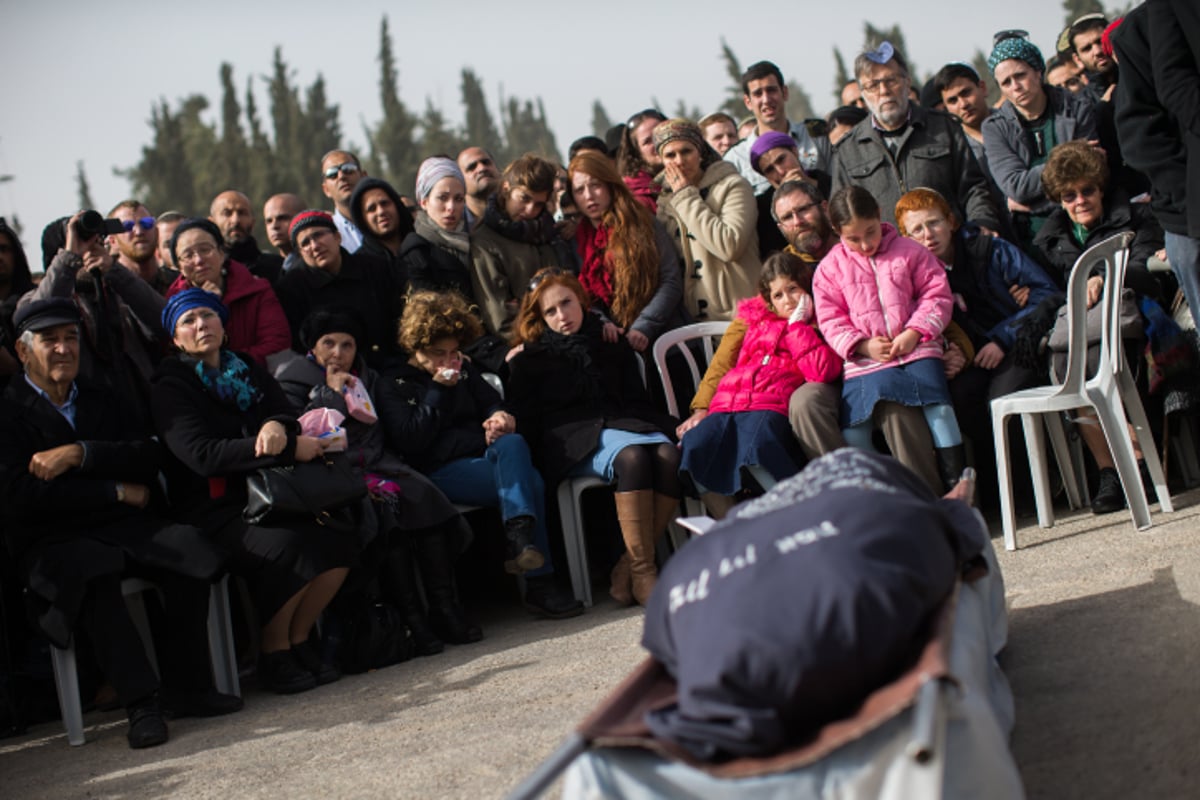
pixel 91 224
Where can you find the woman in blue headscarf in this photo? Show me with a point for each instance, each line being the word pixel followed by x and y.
pixel 223 416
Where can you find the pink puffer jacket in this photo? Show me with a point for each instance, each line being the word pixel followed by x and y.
pixel 775 358
pixel 902 286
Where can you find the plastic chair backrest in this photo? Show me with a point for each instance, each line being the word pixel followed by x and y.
pixel 1112 353
pixel 681 338
pixel 1113 251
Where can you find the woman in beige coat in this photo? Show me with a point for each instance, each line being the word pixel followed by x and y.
pixel 710 210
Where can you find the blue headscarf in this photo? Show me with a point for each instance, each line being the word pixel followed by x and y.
pixel 1018 48
pixel 185 301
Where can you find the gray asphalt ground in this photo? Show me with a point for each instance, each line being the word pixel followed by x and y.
pixel 1104 658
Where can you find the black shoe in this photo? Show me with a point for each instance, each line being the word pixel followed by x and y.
pixel 207 703
pixel 544 598
pixel 425 641
pixel 307 657
pixel 280 672
pixel 147 726
pixel 449 622
pixel 522 555
pixel 1109 496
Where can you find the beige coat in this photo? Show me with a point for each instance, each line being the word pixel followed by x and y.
pixel 715 232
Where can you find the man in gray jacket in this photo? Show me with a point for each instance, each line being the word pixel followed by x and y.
pixel 901 146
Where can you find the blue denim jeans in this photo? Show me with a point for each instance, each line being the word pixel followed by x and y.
pixel 1184 254
pixel 503 477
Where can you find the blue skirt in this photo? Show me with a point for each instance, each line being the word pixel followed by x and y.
pixel 917 383
pixel 715 451
pixel 599 463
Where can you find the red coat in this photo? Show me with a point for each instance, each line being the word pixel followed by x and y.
pixel 257 325
pixel 774 359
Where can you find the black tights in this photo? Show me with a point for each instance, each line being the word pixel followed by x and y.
pixel 649 466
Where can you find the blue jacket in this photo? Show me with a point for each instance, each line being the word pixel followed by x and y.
pixel 984 269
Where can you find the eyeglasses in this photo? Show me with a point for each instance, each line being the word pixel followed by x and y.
pixel 792 218
pixel 308 243
pixel 349 168
pixel 201 251
pixel 892 83
pixel 543 274
pixel 145 223
pixel 1087 192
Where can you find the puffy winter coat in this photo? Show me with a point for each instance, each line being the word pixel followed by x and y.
pixel 775 358
pixel 902 286
pixel 257 325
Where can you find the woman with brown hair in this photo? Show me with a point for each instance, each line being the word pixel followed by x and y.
pixel 629 266
pixel 579 401
pixel 638 160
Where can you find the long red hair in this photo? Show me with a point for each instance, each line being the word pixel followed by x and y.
pixel 632 255
pixel 529 324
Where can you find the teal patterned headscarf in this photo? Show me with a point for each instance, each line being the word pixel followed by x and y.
pixel 1018 48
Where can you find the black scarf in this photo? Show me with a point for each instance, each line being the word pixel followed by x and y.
pixel 533 231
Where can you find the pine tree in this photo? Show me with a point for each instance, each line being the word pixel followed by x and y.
pixel 232 157
pixel 322 129
pixel 436 137
pixel 601 122
pixel 480 129
pixel 290 169
pixel 734 104
pixel 394 140
pixel 841 75
pixel 81 185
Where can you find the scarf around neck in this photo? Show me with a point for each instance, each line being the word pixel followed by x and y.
pixel 456 241
pixel 529 231
pixel 230 383
pixel 595 273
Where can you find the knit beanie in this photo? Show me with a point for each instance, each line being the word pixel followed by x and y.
pixel 185 301
pixel 433 170
pixel 312 218
pixel 1018 48
pixel 676 129
pixel 329 320
pixel 767 142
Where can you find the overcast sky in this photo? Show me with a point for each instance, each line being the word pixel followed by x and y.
pixel 80 78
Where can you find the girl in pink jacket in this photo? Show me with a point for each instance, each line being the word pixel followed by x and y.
pixel 882 305
pixel 746 424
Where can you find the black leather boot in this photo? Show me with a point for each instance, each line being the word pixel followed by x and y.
pixel 522 555
pixel 399 584
pixel 951 463
pixel 446 617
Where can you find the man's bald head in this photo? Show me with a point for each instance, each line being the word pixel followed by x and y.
pixel 230 210
pixel 277 217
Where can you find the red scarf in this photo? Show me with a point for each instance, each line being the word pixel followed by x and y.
pixel 595 274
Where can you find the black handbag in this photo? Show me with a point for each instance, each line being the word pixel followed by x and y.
pixel 321 490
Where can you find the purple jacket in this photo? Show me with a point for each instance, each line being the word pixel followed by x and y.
pixel 902 286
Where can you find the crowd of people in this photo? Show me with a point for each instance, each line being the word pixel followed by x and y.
pixel 884 273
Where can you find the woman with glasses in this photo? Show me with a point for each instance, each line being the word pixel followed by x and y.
pixel 628 264
pixel 1075 178
pixel 638 160
pixel 257 325
pixel 711 211
pixel 579 401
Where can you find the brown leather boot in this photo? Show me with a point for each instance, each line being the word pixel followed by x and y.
pixel 666 508
pixel 635 513
pixel 621 589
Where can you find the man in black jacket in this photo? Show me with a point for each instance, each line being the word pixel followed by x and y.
pixel 1158 121
pixel 77 482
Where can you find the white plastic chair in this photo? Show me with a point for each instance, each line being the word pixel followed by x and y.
pixel 1111 392
pixel 709 335
pixel 220 646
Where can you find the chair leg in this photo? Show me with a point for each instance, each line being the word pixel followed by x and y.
pixel 1035 443
pixel 1141 426
pixel 573 542
pixel 577 490
pixel 1004 477
pixel 66 681
pixel 1062 454
pixel 1116 433
pixel 220 640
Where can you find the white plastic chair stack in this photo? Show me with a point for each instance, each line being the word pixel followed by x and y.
pixel 1111 392
pixel 220 645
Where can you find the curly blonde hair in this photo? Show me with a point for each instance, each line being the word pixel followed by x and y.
pixel 430 316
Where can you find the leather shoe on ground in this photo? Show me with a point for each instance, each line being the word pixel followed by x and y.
pixel 147 726
pixel 1109 497
pixel 544 598
pixel 208 703
pixel 280 673
pixel 307 657
pixel 522 555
